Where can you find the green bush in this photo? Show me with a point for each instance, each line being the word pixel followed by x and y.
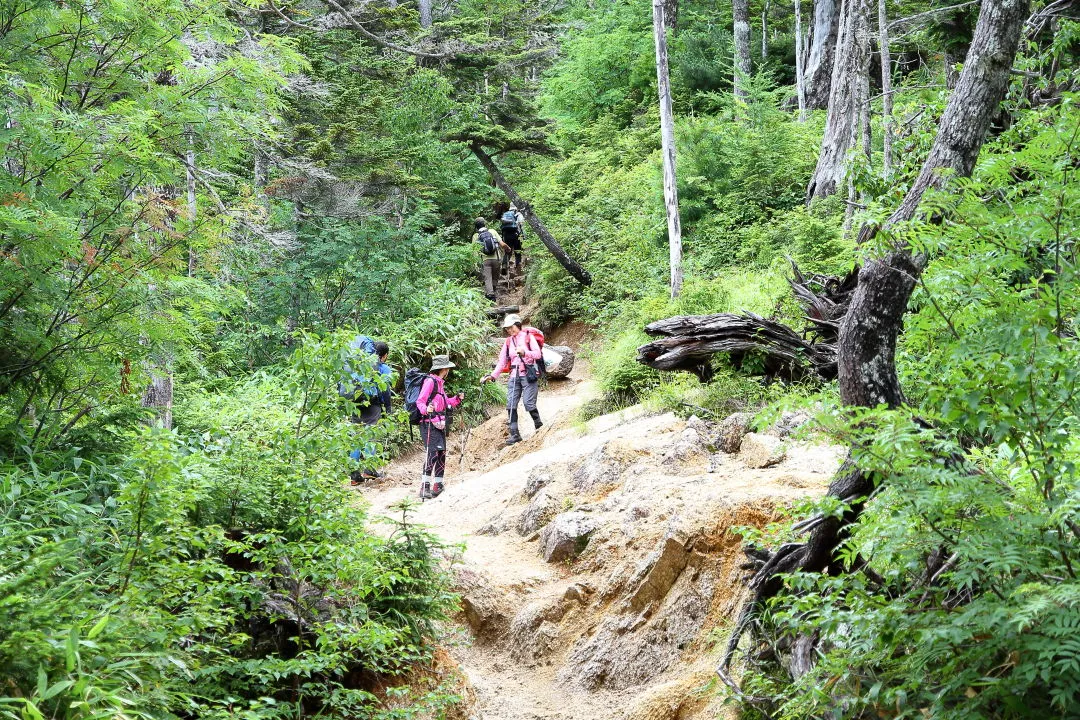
pixel 224 564
pixel 978 475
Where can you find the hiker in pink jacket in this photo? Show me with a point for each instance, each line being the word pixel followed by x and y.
pixel 434 405
pixel 518 355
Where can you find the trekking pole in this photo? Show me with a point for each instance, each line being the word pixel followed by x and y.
pixel 465 440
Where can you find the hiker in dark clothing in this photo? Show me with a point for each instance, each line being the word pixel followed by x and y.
pixel 493 250
pixel 372 403
pixel 434 407
pixel 512 233
pixel 519 356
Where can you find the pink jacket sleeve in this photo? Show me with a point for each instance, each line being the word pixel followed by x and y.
pixel 424 397
pixel 532 349
pixel 503 363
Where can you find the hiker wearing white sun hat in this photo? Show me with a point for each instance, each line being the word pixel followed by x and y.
pixel 520 353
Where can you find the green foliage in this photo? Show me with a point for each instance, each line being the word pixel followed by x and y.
pixel 99 138
pixel 220 565
pixel 980 472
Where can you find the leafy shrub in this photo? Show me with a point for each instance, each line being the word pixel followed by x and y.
pixel 222 565
pixel 969 600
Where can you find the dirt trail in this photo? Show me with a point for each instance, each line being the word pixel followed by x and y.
pixel 623 631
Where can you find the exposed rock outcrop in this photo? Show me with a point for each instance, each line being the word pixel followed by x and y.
pixel 761 451
pixel 567 536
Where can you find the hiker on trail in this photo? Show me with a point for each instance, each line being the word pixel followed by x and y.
pixel 519 355
pixel 512 225
pixel 371 403
pixel 434 407
pixel 493 250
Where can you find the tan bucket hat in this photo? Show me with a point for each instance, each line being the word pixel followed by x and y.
pixel 511 319
pixel 440 362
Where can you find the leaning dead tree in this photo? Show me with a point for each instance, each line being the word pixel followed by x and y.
pixel 689 342
pixel 868 332
pixel 569 264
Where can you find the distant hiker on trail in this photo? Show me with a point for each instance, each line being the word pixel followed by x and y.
pixel 493 250
pixel 512 225
pixel 371 403
pixel 434 407
pixel 519 356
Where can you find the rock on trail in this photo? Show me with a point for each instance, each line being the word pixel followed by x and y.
pixel 599 564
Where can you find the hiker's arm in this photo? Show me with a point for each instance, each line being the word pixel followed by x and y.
pixel 385 396
pixel 501 365
pixel 425 395
pixel 532 350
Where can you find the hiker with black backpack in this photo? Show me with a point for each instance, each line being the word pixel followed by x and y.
pixel 493 250
pixel 512 227
pixel 520 355
pixel 433 407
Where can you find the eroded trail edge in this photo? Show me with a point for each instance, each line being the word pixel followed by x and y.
pixel 599 568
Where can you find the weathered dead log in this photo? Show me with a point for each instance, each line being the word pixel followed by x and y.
pixel 689 342
pixel 824 299
pixel 503 310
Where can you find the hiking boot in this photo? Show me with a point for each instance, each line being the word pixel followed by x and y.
pixel 436 488
pixel 425 491
pixel 356 477
pixel 513 440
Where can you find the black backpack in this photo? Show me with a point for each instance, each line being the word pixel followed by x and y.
pixel 510 228
pixel 414 383
pixel 487 241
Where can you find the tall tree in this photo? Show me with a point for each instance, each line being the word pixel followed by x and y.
pixel 765 31
pixel 800 68
pixel 850 71
pixel 886 89
pixel 667 146
pixel 819 65
pixel 741 13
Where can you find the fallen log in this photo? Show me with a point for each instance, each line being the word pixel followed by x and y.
pixel 503 310
pixel 689 342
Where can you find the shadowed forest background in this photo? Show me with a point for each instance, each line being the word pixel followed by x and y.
pixel 203 202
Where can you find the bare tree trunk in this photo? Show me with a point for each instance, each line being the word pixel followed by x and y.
pixel 159 395
pixel 193 207
pixel 569 264
pixel 260 172
pixel 951 75
pixel 886 90
pixel 870 328
pixel 741 12
pixel 667 143
pixel 765 31
pixel 671 14
pixel 819 65
pixel 800 79
pixel 425 13
pixel 841 125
